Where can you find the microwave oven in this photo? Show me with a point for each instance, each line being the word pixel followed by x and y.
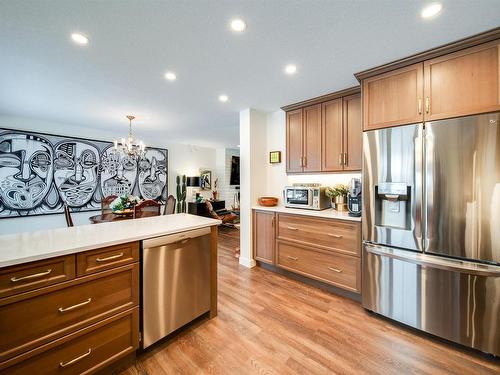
pixel 310 197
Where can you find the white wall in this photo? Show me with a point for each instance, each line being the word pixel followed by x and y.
pixel 226 191
pixel 182 159
pixel 252 175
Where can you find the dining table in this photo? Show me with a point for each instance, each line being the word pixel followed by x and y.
pixel 108 217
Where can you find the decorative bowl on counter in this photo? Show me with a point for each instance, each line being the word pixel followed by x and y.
pixel 268 201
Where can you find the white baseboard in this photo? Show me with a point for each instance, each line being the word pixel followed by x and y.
pixel 249 263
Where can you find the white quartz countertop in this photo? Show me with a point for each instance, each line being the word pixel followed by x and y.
pixel 329 213
pixel 32 246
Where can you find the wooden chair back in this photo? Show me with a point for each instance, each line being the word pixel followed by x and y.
pixel 106 202
pixel 170 206
pixel 67 216
pixel 147 208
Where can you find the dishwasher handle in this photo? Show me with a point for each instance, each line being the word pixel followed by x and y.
pixel 173 238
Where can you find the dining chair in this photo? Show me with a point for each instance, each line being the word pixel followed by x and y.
pixel 147 208
pixel 169 206
pixel 67 215
pixel 106 203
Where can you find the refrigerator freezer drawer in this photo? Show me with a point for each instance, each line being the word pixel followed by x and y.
pixel 458 301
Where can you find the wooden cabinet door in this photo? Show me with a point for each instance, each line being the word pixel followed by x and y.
pixel 353 133
pixel 294 141
pixel 264 236
pixel 393 98
pixel 463 83
pixel 312 138
pixel 332 136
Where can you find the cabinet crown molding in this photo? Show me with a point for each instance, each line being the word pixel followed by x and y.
pixel 444 49
pixel 323 98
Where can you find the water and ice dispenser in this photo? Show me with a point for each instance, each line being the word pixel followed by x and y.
pixel 393 205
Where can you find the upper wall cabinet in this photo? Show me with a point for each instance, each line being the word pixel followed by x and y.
pixel 325 134
pixel 311 161
pixel 463 83
pixel 294 140
pixel 455 80
pixel 393 98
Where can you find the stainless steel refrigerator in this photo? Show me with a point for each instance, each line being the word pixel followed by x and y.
pixel 431 227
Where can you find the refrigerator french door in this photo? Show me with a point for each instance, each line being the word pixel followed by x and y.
pixel 431 256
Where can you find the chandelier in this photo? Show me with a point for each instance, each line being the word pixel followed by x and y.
pixel 128 146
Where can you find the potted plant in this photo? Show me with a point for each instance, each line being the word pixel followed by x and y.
pixel 338 194
pixel 124 204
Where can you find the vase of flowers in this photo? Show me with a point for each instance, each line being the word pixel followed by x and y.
pixel 124 204
pixel 215 191
pixel 338 194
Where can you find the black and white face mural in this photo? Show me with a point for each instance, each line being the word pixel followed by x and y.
pixel 152 174
pixel 118 172
pixel 76 165
pixel 25 170
pixel 38 173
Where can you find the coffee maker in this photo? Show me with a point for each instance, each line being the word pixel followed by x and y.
pixel 354 197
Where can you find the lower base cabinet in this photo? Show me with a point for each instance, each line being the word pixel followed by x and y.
pixel 323 249
pixel 87 350
pixel 78 325
pixel 343 271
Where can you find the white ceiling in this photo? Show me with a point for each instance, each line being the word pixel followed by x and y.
pixel 133 43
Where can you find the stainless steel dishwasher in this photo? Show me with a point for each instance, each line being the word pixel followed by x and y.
pixel 176 282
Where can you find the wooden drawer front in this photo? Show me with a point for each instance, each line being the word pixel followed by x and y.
pixel 340 270
pixel 106 258
pixel 341 236
pixel 29 276
pixel 57 311
pixel 85 351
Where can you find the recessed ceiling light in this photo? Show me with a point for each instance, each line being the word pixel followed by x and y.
pixel 79 38
pixel 431 10
pixel 290 69
pixel 238 25
pixel 223 98
pixel 170 76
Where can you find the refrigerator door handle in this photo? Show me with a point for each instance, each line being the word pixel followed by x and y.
pixel 418 146
pixel 435 261
pixel 429 187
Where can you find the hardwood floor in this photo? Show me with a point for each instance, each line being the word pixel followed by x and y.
pixel 270 324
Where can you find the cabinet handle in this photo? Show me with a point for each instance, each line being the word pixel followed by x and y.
pixel 62 309
pixel 29 277
pixel 419 106
pixel 427 104
pixel 335 235
pixel 340 159
pixel 345 159
pixel 292 228
pixel 292 258
pixel 305 161
pixel 107 259
pixel 273 222
pixel 79 358
pixel 335 269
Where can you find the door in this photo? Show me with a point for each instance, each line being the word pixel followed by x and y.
pixel 312 138
pixel 463 83
pixel 332 136
pixel 294 141
pixel 264 236
pixel 353 133
pixel 392 187
pixel 393 98
pixel 463 187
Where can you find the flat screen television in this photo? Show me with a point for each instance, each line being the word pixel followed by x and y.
pixel 235 170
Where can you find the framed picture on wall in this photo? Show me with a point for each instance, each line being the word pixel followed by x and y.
pixel 275 157
pixel 205 179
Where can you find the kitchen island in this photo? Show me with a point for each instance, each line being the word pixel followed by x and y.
pixel 70 297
